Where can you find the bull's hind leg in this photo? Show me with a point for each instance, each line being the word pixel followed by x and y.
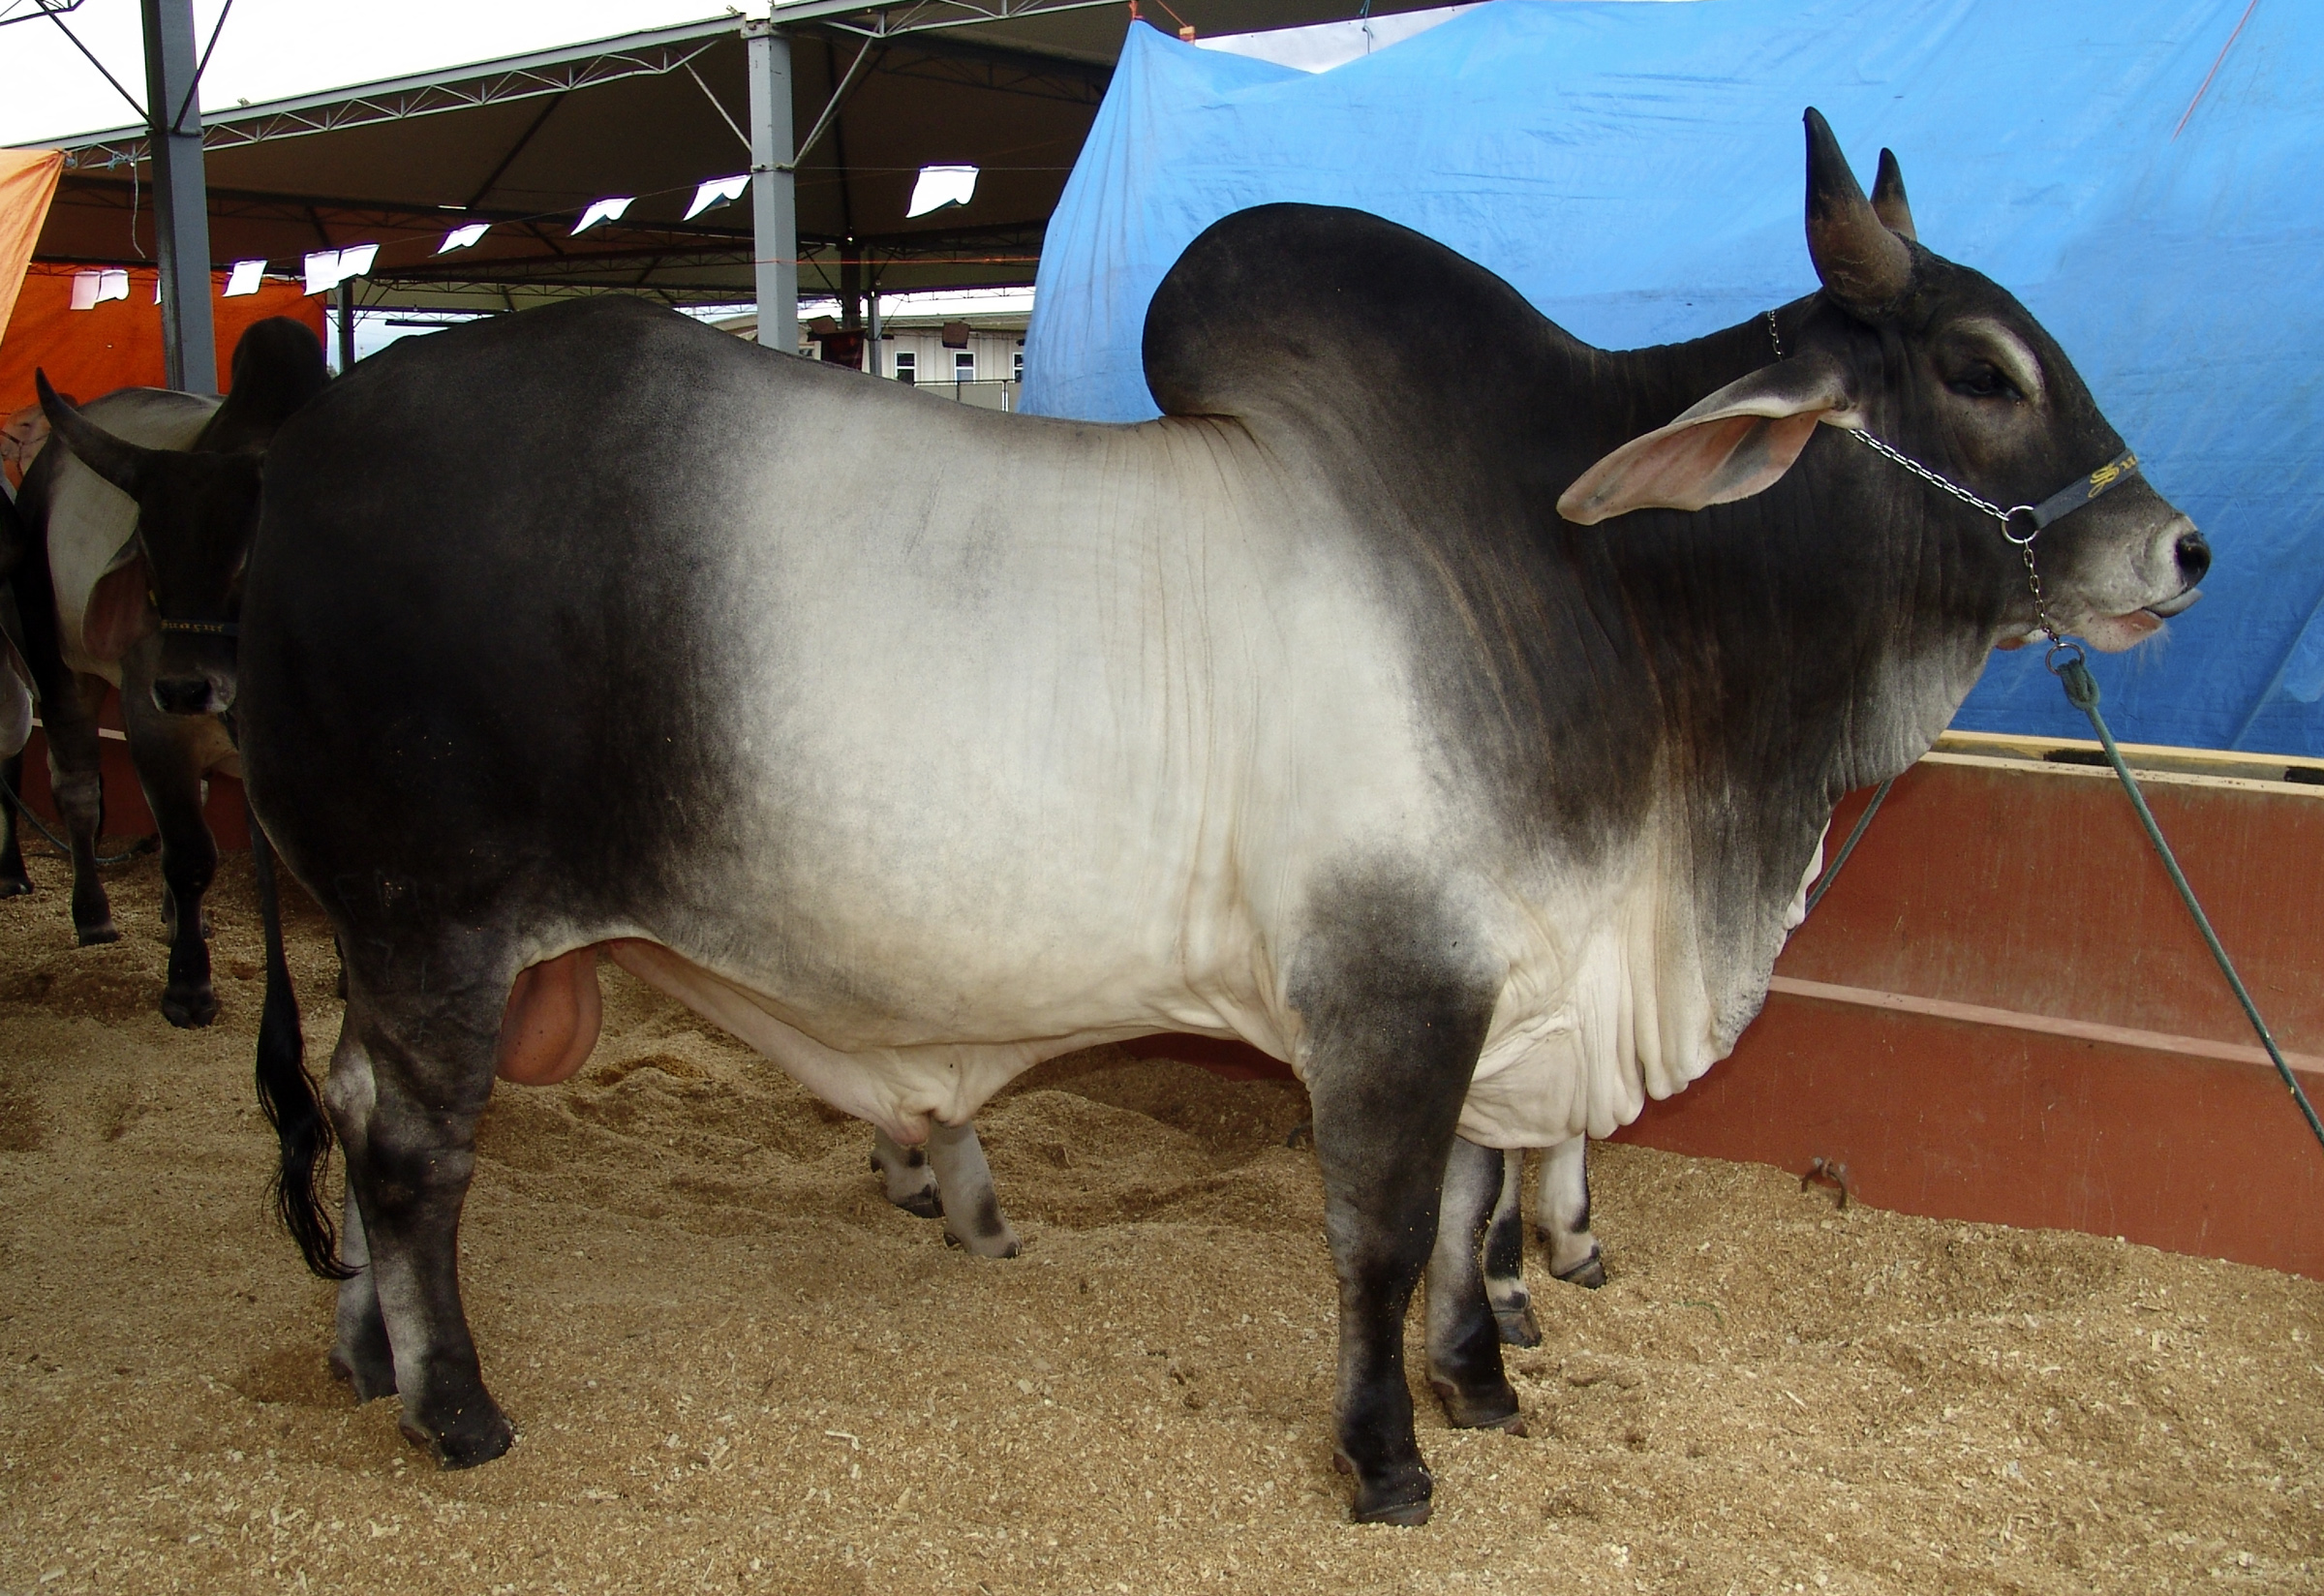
pixel 1464 1335
pixel 166 749
pixel 912 1183
pixel 1504 1258
pixel 13 882
pixel 1393 1024
pixel 1561 1212
pixel 411 1072
pixel 972 1216
pixel 360 1354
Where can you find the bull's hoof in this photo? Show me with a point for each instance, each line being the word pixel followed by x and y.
pixel 1480 1409
pixel 190 1008
pixel 369 1375
pixel 927 1203
pixel 1590 1271
pixel 14 886
pixel 476 1436
pixel 1398 1496
pixel 98 934
pixel 1002 1244
pixel 1518 1326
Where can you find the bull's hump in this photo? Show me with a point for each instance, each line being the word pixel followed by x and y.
pixel 1276 307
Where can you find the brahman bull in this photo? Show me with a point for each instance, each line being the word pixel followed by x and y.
pixel 1326 711
pixel 146 513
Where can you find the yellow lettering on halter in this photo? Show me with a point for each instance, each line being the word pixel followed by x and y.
pixel 2104 475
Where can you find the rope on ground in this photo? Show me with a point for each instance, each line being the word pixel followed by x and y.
pixel 2082 691
pixel 15 801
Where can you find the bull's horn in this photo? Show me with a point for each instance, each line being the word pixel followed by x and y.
pixel 1862 264
pixel 1888 200
pixel 119 463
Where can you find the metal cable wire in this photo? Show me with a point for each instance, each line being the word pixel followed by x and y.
pixel 2082 691
pixel 15 801
pixel 1824 882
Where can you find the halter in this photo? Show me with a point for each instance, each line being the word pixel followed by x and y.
pixel 207 628
pixel 2064 503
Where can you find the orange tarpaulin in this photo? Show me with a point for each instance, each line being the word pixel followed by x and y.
pixel 28 183
pixel 116 344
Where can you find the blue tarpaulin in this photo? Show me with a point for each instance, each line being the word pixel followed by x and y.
pixel 2142 174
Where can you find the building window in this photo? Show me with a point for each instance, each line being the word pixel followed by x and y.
pixel 908 367
pixel 963 366
pixel 1017 370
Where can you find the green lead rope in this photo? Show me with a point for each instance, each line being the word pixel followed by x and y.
pixel 2082 691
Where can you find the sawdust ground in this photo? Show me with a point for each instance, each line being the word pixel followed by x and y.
pixel 736 1368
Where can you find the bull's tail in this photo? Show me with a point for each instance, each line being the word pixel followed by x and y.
pixel 287 1091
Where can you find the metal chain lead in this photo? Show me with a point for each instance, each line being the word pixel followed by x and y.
pixel 2025 544
pixel 1927 475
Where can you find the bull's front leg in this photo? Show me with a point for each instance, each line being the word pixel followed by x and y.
pixel 1393 1034
pixel 166 749
pixel 411 1072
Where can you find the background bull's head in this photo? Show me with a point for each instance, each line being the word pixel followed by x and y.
pixel 1940 363
pixel 196 513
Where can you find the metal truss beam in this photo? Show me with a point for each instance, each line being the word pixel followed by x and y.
pixel 523 77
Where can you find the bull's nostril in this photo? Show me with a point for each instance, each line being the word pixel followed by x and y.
pixel 2194 555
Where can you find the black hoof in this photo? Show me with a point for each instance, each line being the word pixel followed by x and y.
pixel 13 886
pixel 1400 1496
pixel 369 1377
pixel 475 1436
pixel 98 934
pixel 1590 1271
pixel 928 1204
pixel 1480 1409
pixel 1518 1326
pixel 190 1008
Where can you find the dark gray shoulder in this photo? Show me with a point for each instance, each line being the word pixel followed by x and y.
pixel 1272 305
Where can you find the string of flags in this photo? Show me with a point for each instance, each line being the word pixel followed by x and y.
pixel 325 270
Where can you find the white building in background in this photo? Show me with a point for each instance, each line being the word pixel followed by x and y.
pixel 968 345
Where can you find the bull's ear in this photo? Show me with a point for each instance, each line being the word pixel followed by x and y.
pixel 119 463
pixel 1738 442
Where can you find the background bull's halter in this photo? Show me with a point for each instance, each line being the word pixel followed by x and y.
pixel 2066 663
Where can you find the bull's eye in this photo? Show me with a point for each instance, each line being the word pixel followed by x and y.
pixel 1983 379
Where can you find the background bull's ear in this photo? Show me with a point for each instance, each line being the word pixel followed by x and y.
pixel 1888 201
pixel 119 463
pixel 1859 261
pixel 1738 442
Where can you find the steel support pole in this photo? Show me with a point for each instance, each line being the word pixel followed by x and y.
pixel 345 293
pixel 181 210
pixel 774 192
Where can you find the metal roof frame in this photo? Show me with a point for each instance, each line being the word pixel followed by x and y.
pixel 525 142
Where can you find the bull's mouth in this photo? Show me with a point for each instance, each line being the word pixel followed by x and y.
pixel 2113 634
